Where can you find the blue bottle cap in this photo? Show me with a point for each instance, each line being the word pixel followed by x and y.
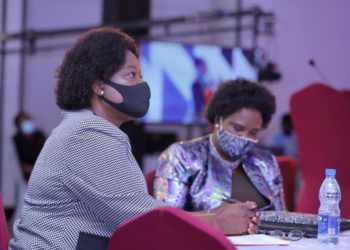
pixel 330 172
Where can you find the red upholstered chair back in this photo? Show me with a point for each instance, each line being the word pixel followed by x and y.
pixel 4 236
pixel 149 181
pixel 168 228
pixel 288 166
pixel 321 118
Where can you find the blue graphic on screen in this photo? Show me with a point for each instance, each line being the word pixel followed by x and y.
pixel 182 77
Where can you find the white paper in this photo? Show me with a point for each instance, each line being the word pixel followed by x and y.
pixel 257 239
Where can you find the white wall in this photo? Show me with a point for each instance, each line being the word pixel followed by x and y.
pixel 9 165
pixel 39 81
pixel 163 9
pixel 307 29
pixel 41 66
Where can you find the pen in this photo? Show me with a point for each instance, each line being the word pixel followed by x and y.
pixel 219 195
pixel 224 199
pixel 229 200
pixel 222 196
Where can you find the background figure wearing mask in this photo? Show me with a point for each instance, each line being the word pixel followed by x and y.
pixel 201 88
pixel 197 174
pixel 29 140
pixel 285 142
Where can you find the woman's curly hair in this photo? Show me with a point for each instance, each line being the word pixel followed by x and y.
pixel 97 54
pixel 234 95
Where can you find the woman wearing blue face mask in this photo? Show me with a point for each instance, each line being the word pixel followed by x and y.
pixel 29 140
pixel 198 174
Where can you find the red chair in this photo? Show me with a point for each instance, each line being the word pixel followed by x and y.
pixel 321 118
pixel 149 181
pixel 168 228
pixel 4 235
pixel 288 166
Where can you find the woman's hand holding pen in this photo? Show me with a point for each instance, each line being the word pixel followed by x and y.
pixel 237 217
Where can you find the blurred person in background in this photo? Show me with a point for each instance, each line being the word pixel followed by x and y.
pixel 284 142
pixel 201 87
pixel 28 140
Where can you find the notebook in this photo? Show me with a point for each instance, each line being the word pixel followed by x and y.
pixel 257 240
pixel 288 221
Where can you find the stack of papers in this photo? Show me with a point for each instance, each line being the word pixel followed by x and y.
pixel 257 240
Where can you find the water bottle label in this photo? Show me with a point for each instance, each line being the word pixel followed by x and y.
pixel 328 224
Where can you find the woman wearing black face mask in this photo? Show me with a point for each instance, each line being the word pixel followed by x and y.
pixel 86 181
pixel 198 174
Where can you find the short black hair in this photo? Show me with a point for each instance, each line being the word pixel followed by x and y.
pixel 286 119
pixel 21 114
pixel 233 95
pixel 97 54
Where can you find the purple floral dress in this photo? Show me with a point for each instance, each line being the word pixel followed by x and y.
pixel 191 175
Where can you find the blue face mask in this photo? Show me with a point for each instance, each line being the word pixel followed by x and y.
pixel 135 98
pixel 28 127
pixel 234 146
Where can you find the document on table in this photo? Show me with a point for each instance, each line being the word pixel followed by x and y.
pixel 257 240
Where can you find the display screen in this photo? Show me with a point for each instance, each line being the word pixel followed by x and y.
pixel 182 77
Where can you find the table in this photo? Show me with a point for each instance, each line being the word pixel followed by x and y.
pixel 307 244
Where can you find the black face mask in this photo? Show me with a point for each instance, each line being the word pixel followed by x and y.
pixel 135 98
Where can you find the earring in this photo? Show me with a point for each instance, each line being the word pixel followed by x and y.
pixel 102 92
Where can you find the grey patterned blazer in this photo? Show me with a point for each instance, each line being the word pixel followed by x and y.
pixel 85 182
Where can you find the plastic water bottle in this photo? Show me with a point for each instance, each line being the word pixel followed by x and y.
pixel 329 212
